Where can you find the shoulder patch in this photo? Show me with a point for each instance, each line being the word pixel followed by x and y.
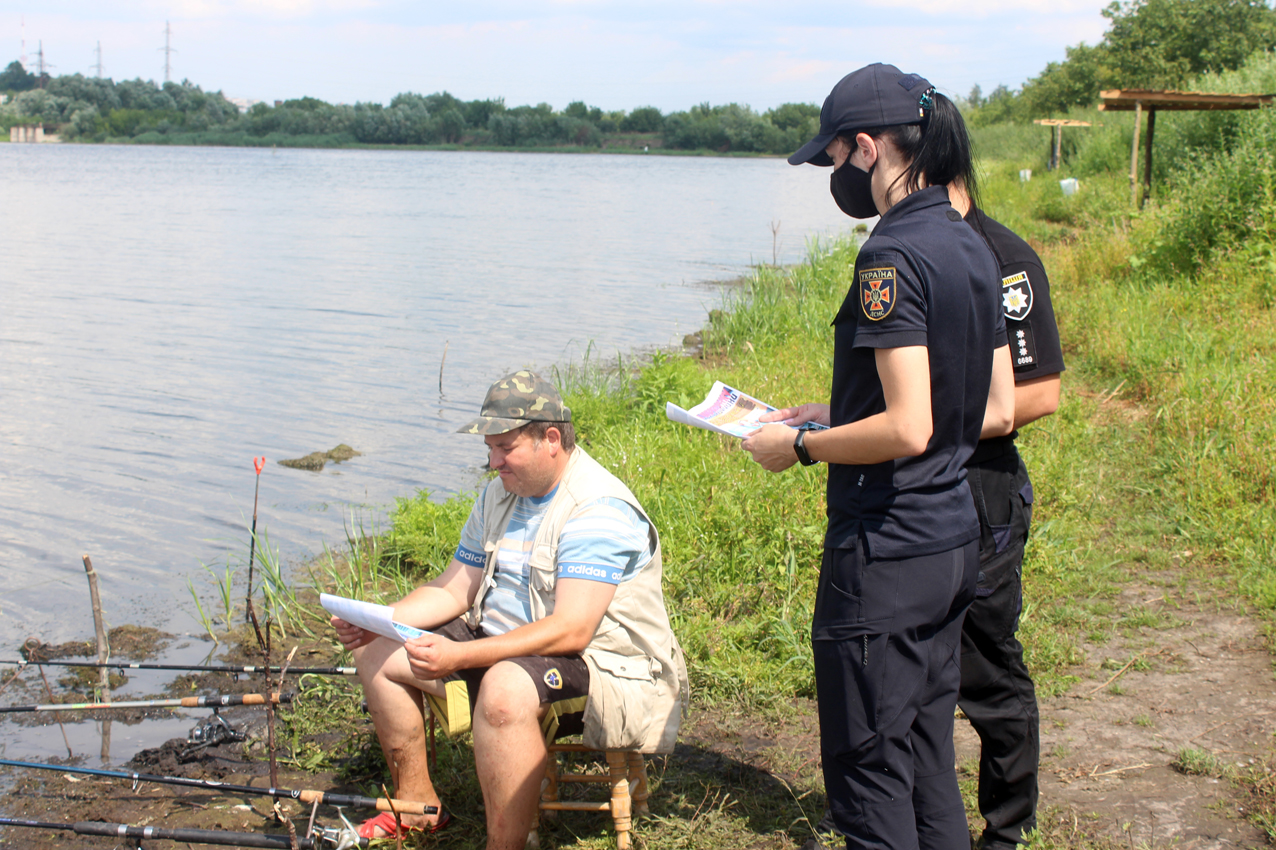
pixel 1016 296
pixel 877 292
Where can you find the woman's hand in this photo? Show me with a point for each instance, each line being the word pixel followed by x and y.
pixel 351 636
pixel 772 446
pixel 800 415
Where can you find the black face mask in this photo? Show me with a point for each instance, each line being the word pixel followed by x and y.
pixel 853 190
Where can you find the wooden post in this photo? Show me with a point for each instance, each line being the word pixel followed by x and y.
pixel 1147 157
pixel 103 653
pixel 103 645
pixel 1058 148
pixel 1134 155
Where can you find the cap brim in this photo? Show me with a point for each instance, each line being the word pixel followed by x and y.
pixel 813 151
pixel 491 425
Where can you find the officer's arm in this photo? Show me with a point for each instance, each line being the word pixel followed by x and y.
pixel 999 414
pixel 902 430
pixel 1036 398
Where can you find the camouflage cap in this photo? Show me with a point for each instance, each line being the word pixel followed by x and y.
pixel 515 400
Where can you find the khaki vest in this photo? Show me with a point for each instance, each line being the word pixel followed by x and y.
pixel 638 688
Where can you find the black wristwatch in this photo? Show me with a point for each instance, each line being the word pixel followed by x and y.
pixel 799 448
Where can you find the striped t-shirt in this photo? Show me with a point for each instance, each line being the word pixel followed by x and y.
pixel 605 540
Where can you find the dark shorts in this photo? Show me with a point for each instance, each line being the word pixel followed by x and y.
pixel 562 681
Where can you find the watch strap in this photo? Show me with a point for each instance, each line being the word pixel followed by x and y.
pixel 799 449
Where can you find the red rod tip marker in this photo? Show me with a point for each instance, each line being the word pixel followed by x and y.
pixel 258 463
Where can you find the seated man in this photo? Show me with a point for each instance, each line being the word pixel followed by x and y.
pixel 551 612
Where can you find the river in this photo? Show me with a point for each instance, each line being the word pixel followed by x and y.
pixel 167 314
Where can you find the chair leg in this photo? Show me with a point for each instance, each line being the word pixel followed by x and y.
pixel 638 783
pixel 621 811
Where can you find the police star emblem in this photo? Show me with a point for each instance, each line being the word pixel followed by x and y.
pixel 877 292
pixel 554 679
pixel 1016 296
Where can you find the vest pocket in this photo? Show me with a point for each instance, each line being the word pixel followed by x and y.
pixel 622 694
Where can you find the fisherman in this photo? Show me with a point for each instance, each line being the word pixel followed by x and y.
pixel 550 610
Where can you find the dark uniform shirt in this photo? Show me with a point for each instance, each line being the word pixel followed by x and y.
pixel 1025 299
pixel 923 278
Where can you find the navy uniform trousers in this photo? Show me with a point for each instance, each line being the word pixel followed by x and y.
pixel 887 639
pixel 997 694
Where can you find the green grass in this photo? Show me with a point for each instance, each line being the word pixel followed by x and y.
pixel 1157 470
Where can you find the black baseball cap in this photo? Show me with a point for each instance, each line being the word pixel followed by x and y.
pixel 874 96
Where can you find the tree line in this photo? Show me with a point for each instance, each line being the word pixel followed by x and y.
pixel 1149 44
pixel 93 109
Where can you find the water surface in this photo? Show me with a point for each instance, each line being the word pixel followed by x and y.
pixel 167 314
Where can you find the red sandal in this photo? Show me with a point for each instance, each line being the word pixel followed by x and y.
pixel 385 823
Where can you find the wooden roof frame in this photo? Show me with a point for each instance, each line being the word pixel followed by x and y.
pixel 1129 100
pixel 1056 126
pixel 1137 100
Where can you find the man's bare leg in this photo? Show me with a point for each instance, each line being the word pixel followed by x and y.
pixel 394 701
pixel 509 753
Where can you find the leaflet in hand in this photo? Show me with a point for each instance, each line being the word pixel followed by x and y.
pixel 725 410
pixel 378 619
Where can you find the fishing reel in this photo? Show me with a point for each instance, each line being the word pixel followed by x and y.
pixel 214 732
pixel 344 838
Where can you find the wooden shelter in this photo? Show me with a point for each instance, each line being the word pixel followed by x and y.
pixel 1137 100
pixel 1056 126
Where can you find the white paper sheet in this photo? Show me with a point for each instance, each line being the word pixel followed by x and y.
pixel 378 619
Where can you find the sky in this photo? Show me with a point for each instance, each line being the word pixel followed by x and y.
pixel 671 54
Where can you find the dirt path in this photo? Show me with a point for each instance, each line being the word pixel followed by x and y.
pixel 1201 680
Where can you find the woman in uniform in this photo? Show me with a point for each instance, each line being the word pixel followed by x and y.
pixel 914 387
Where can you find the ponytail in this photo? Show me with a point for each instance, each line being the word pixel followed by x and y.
pixel 938 150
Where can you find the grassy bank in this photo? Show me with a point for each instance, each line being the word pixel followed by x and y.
pixel 1156 471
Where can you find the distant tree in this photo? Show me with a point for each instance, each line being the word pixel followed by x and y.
pixel 16 78
pixel 1073 82
pixel 477 112
pixel 790 115
pixel 644 119
pixel 1163 43
pixel 449 125
pixel 442 101
pixel 309 104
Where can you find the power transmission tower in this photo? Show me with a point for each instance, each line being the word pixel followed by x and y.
pixel 97 67
pixel 22 57
pixel 168 53
pixel 42 72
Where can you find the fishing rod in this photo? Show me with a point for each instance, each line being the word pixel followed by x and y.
pixel 381 804
pixel 258 463
pixel 199 668
pixel 198 836
pixel 214 701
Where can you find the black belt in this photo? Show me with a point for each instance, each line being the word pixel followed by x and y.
pixel 992 448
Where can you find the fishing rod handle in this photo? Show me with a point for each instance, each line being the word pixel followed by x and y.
pixel 234 699
pixel 381 804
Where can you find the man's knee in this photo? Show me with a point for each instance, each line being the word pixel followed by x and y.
pixel 372 659
pixel 507 696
